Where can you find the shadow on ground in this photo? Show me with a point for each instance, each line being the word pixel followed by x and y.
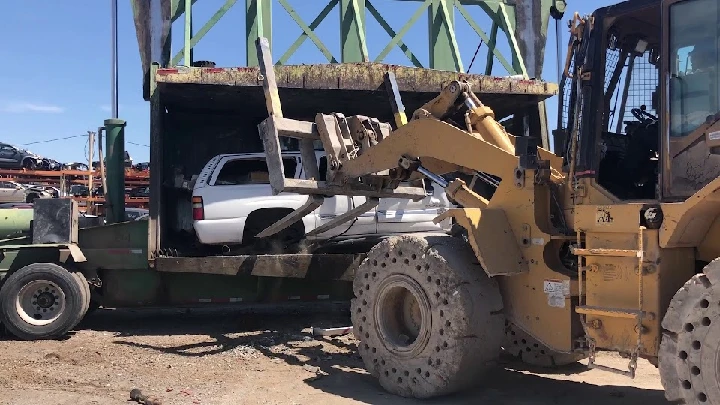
pixel 278 333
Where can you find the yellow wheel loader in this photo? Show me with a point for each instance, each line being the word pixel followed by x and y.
pixel 609 243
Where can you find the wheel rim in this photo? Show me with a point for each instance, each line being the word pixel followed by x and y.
pixel 40 302
pixel 402 315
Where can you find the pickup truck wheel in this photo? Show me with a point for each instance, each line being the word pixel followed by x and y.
pixel 285 241
pixel 41 301
pixel 427 317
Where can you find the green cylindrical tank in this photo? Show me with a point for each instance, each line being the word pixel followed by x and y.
pixel 115 170
pixel 15 222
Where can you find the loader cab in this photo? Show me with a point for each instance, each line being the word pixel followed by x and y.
pixel 642 101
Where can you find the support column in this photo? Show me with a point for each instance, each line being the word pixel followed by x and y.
pixel 352 31
pixel 444 52
pixel 188 33
pixel 532 18
pixel 258 23
pixel 115 148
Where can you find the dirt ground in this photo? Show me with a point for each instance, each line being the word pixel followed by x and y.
pixel 260 356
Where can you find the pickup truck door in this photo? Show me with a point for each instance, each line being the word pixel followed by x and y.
pixel 239 186
pixel 396 215
pixel 338 205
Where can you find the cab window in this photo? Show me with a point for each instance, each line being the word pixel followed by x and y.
pixel 694 49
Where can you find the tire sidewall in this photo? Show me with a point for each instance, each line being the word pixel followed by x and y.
pixel 450 350
pixel 50 272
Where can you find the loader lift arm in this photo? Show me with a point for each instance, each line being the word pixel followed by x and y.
pixel 365 158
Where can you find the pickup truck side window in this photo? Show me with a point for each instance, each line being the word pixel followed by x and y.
pixel 250 171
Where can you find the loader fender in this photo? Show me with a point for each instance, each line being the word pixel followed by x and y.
pixel 491 238
pixel 688 223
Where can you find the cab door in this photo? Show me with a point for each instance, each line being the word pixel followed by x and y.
pixel 692 91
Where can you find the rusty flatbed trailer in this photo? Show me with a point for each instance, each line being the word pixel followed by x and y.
pixel 196 114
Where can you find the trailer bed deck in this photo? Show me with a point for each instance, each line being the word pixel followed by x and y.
pixel 330 266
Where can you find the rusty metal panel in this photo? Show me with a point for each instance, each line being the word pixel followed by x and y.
pixel 356 76
pixel 310 266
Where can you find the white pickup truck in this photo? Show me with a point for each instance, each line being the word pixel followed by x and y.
pixel 233 202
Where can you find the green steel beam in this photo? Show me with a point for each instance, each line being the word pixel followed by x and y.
pixel 463 11
pixel 204 30
pixel 378 17
pixel 508 21
pixel 398 37
pixel 491 44
pixel 258 23
pixel 177 8
pixel 444 53
pixel 352 31
pixel 443 47
pixel 313 25
pixel 306 29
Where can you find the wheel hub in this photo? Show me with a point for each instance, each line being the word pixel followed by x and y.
pixel 402 315
pixel 45 299
pixel 40 302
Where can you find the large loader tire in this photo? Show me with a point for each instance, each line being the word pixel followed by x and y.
pixel 41 301
pixel 428 319
pixel 689 359
pixel 529 350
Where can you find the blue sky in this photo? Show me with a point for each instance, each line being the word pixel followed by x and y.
pixel 55 75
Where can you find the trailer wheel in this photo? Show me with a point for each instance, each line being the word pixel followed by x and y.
pixel 427 317
pixel 85 288
pixel 41 301
pixel 520 344
pixel 689 359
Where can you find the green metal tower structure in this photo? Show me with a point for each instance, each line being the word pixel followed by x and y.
pixel 523 22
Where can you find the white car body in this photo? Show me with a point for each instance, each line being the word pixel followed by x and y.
pixel 226 205
pixel 13 192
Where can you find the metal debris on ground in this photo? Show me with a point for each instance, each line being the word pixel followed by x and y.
pixel 332 331
pixel 316 371
pixel 246 352
pixel 137 396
